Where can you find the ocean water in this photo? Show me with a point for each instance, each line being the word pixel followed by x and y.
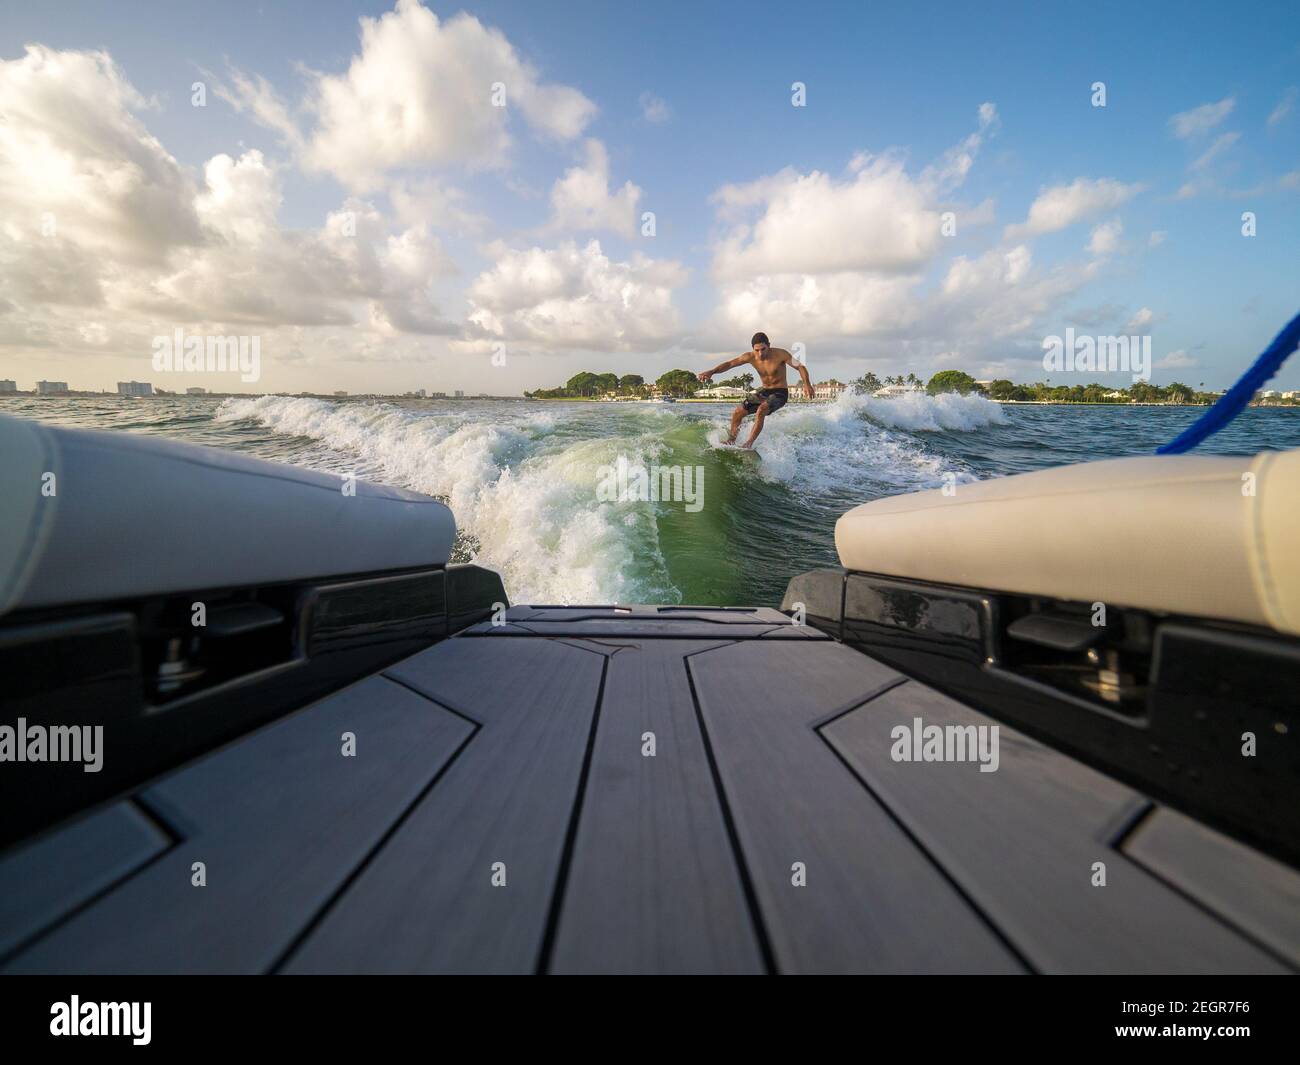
pixel 523 478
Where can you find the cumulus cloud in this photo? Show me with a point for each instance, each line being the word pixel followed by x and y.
pixel 806 307
pixel 998 295
pixel 575 297
pixel 878 218
pixel 420 92
pixel 1061 206
pixel 427 201
pixel 1105 237
pixel 354 268
pixel 834 258
pixel 77 165
pixel 107 240
pixel 582 200
pixel 1201 120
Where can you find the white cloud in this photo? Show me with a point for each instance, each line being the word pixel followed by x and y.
pixel 581 199
pixel 575 297
pixel 353 269
pixel 1221 144
pixel 1200 120
pixel 258 97
pixel 1284 107
pixel 419 93
pixel 240 199
pixel 1175 360
pixel 1000 295
pixel 430 202
pixel 1105 237
pixel 654 109
pixel 98 215
pixel 73 155
pixel 1061 206
pixel 1140 320
pixel 951 169
pixel 808 307
pixel 831 259
pixel 994 268
pixel 878 218
pixel 1157 237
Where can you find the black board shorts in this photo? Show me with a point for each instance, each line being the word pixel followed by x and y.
pixel 775 398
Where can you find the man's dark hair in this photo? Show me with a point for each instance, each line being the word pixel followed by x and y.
pixel 759 338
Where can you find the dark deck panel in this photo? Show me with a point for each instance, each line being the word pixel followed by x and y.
pixel 1057 817
pixel 1251 891
pixel 280 819
pixel 50 877
pixel 426 903
pixel 873 902
pixel 524 747
pixel 653 885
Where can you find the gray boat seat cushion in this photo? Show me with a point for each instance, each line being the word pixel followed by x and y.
pixel 1201 535
pixel 96 516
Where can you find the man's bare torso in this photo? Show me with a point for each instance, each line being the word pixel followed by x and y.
pixel 770 366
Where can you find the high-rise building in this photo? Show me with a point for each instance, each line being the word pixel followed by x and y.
pixel 51 388
pixel 196 391
pixel 460 394
pixel 8 386
pixel 134 388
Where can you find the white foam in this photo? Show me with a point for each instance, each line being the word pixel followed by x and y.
pixel 525 499
pixel 829 448
pixel 919 412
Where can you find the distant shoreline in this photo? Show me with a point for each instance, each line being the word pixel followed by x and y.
pixel 582 399
pixel 1005 402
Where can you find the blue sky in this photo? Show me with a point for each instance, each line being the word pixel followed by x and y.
pixel 814 223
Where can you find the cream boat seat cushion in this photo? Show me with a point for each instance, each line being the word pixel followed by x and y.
pixel 1201 535
pixel 97 516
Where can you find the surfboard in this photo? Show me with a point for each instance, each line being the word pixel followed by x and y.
pixel 748 453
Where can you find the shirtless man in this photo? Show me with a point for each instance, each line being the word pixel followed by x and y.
pixel 770 363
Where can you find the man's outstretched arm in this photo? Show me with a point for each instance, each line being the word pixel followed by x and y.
pixel 802 370
pixel 740 360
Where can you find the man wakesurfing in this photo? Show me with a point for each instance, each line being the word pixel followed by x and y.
pixel 770 363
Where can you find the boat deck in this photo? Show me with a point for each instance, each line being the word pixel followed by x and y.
pixel 637 790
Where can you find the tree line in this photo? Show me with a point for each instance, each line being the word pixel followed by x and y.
pixel 1042 391
pixel 588 385
pixel 684 383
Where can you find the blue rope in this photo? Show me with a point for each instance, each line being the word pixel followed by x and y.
pixel 1234 401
